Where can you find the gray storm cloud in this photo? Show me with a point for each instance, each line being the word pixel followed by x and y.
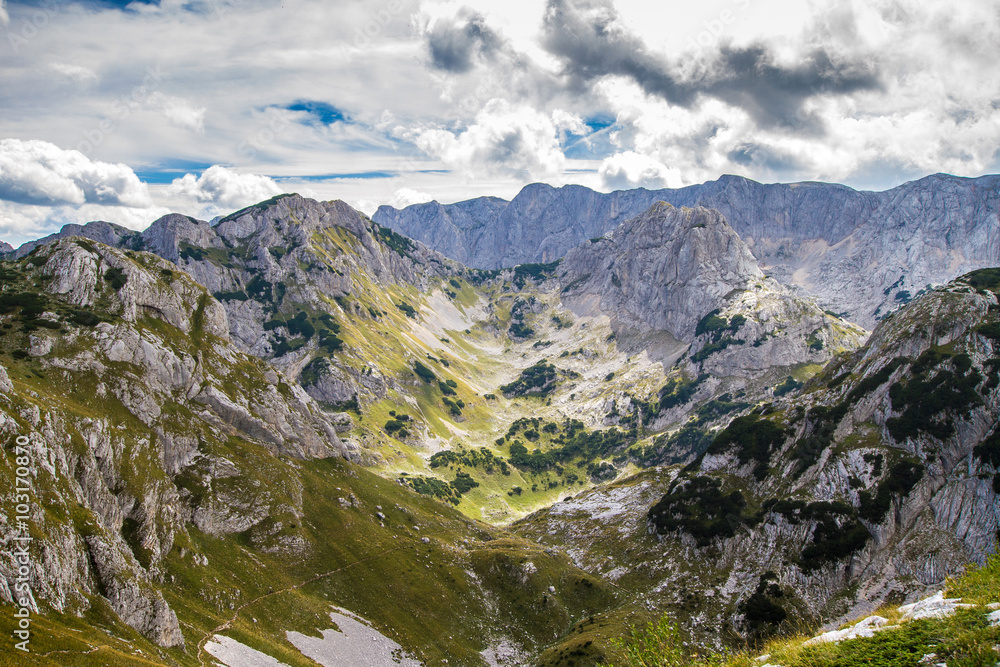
pixel 590 42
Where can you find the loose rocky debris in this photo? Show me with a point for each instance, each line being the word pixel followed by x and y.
pixel 865 628
pixel 935 606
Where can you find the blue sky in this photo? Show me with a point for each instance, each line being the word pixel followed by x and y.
pixel 125 111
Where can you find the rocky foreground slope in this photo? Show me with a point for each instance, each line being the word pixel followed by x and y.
pixel 861 253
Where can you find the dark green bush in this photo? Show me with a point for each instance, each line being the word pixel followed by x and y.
pixel 898 483
pixel 84 318
pixel 395 242
pixel 928 402
pixel 762 612
pixel 711 324
pixel 397 427
pixel 116 277
pixel 463 483
pixel 537 380
pixel 329 341
pixel 424 373
pixel 535 272
pixel 789 384
pixel 753 439
pixel 699 508
pixel 520 330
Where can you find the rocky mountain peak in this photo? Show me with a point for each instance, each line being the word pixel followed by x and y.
pixel 663 269
pixel 98 230
pixel 166 234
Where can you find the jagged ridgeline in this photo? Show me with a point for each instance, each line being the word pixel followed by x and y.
pixel 206 405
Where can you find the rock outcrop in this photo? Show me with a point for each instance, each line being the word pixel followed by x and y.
pixel 662 270
pixel 684 274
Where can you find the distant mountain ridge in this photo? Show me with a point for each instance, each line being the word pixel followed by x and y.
pixel 860 253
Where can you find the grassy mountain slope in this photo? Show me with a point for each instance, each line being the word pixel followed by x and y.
pixel 181 488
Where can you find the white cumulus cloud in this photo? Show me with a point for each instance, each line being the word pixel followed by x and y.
pixel 506 139
pixel 4 17
pixel 630 169
pixel 407 196
pixel 222 188
pixel 42 174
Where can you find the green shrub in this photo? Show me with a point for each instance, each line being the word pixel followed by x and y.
pixel 535 272
pixel 677 392
pixel 463 483
pixel 711 324
pixel 789 384
pixel 659 644
pixel 231 296
pixel 116 277
pixel 406 308
pixel 453 407
pixel 929 402
pixel 833 540
pixel 753 439
pixel 898 483
pixel 537 380
pixel 84 318
pixel 395 242
pixel 424 373
pixel 396 427
pixel 520 330
pixel 762 612
pixel 329 341
pixel 31 304
pixel 699 508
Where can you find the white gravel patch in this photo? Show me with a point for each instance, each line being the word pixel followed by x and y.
pixel 232 653
pixel 602 506
pixel 357 644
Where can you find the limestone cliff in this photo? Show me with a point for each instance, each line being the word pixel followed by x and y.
pixel 125 383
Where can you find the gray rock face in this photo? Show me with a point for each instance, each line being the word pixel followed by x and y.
pixel 668 268
pixel 855 251
pixel 166 389
pixel 165 236
pixel 663 270
pixel 107 233
pixel 539 225
pixel 139 605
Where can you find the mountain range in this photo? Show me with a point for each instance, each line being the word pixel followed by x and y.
pixel 861 253
pixel 499 432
